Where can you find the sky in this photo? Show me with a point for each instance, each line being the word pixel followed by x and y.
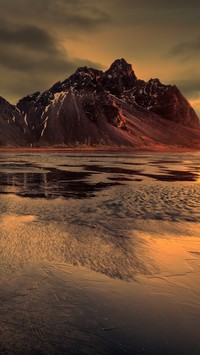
pixel 44 41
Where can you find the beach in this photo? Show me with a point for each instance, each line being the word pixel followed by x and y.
pixel 99 252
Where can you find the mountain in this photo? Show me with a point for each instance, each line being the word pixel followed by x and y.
pixel 12 126
pixel 112 108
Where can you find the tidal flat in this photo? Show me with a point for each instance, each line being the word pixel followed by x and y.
pixel 99 253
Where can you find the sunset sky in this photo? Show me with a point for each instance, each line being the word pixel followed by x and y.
pixel 44 41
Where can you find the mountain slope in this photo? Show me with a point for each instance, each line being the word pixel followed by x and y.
pixel 111 108
pixel 12 126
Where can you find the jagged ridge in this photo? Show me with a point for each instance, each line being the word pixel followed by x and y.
pixel 114 107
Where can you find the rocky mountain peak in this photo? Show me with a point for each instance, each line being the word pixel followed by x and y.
pixel 119 77
pixel 120 66
pixel 86 70
pixel 155 81
pixel 93 107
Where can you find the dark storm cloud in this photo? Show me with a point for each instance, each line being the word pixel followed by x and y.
pixel 186 50
pixel 32 56
pixel 26 36
pixel 31 60
pixel 82 15
pixel 24 60
pixel 28 47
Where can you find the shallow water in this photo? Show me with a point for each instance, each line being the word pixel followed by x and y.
pixel 99 253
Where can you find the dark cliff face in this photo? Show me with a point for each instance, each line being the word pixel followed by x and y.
pixel 12 125
pixel 119 77
pixel 166 100
pixel 93 107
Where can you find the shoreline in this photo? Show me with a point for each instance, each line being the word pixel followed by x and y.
pixel 155 149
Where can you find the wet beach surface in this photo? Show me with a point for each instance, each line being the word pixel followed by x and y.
pixel 99 253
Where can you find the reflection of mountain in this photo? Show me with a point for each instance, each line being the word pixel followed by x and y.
pixel 30 180
pixel 111 108
pixel 52 184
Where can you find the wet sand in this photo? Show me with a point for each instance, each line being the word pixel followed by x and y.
pixel 93 267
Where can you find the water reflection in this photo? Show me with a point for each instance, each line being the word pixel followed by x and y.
pixel 77 180
pixel 51 184
pixel 165 175
pixel 173 175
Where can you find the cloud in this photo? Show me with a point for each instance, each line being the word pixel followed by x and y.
pixel 28 36
pixel 28 67
pixel 32 54
pixel 75 14
pixel 156 3
pixel 29 47
pixel 186 50
pixel 189 87
pixel 154 13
